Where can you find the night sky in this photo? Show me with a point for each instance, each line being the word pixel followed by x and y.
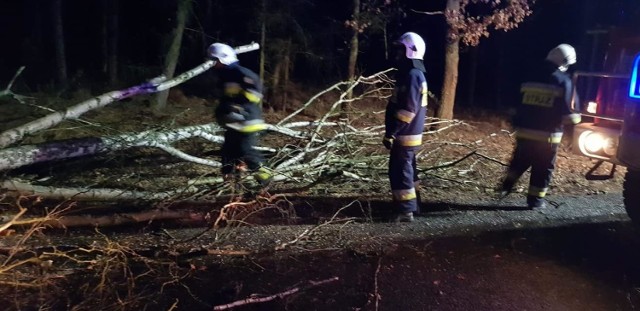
pixel 504 59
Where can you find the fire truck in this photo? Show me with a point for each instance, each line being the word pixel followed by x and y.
pixel 609 101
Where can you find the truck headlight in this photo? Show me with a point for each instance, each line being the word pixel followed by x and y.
pixel 592 143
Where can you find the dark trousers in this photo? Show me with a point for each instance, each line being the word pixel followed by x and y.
pixel 541 157
pixel 403 176
pixel 238 147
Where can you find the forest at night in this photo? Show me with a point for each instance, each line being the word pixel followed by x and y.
pixel 143 168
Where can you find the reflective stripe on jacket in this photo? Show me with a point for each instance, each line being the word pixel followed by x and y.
pixel 407 108
pixel 541 136
pixel 545 108
pixel 239 107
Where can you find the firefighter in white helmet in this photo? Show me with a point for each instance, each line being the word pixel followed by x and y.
pixel 404 124
pixel 539 122
pixel 239 111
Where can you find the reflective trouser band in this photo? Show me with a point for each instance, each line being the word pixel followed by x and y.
pixel 409 140
pixel 542 136
pixel 573 118
pixel 404 195
pixel 263 174
pixel 405 115
pixel 537 192
pixel 250 126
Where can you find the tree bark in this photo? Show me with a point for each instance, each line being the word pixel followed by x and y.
pixel 12 158
pixel 171 60
pixel 353 50
pixel 450 82
pixel 110 40
pixel 473 73
pixel 18 188
pixel 452 57
pixel 263 39
pixel 59 50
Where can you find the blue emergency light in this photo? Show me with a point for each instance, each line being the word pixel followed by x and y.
pixel 634 86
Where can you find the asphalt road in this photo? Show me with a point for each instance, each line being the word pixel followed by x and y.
pixel 583 254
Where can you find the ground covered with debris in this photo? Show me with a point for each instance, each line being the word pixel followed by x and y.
pixel 304 244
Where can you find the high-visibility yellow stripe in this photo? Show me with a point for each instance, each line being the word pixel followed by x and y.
pixel 263 174
pixel 425 94
pixel 539 94
pixel 231 89
pixel 404 194
pixel 405 115
pixel 254 98
pixel 573 118
pixel 409 140
pixel 537 192
pixel 542 136
pixel 250 126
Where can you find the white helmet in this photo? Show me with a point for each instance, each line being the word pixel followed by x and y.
pixel 414 45
pixel 562 56
pixel 223 53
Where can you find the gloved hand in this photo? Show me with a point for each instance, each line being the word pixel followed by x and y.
pixel 388 142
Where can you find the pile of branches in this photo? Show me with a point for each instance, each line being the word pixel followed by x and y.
pixel 311 151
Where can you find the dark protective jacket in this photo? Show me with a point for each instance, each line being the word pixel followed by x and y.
pixel 545 108
pixel 239 107
pixel 407 108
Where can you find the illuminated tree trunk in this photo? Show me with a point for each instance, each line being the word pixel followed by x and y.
pixel 452 57
pixel 353 49
pixel 171 60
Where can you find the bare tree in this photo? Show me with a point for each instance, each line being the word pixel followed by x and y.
pixel 110 36
pixel 357 27
pixel 58 29
pixel 370 15
pixel 468 28
pixel 171 60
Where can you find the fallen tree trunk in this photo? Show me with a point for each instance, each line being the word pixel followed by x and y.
pixel 155 85
pixel 12 158
pixel 120 219
pixel 18 188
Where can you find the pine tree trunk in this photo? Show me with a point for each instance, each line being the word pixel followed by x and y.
pixel 473 73
pixel 59 50
pixel 112 41
pixel 452 57
pixel 263 39
pixel 353 50
pixel 171 60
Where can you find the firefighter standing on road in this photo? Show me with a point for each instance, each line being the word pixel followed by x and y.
pixel 404 124
pixel 240 113
pixel 545 108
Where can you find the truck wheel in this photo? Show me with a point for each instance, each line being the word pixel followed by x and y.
pixel 631 193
